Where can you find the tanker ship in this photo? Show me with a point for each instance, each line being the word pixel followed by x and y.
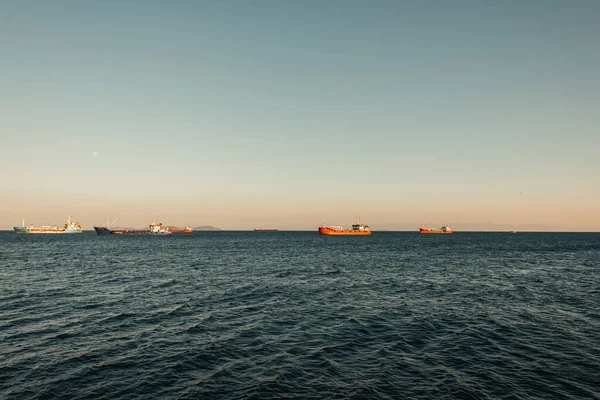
pixel 358 229
pixel 187 229
pixel 155 229
pixel 69 227
pixel 444 230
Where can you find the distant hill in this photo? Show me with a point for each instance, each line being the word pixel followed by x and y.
pixel 206 228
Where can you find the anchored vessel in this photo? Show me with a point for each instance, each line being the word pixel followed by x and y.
pixel 187 229
pixel 444 230
pixel 155 229
pixel 70 227
pixel 357 229
pixel 266 230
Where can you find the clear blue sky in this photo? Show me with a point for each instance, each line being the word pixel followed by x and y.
pixel 246 113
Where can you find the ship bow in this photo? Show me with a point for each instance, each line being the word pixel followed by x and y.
pixel 100 230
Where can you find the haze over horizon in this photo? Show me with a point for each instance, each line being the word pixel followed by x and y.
pixel 295 114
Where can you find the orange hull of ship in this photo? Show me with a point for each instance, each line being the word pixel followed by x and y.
pixel 434 231
pixel 323 230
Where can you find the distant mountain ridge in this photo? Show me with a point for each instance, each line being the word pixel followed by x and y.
pixel 206 228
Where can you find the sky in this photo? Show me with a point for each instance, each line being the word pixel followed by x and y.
pixel 293 114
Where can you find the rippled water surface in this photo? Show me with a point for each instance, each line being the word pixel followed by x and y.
pixel 296 315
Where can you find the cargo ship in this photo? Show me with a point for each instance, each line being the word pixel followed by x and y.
pixel 266 230
pixel 358 229
pixel 444 230
pixel 69 227
pixel 187 229
pixel 155 229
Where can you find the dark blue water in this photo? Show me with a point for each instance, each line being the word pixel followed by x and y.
pixel 236 315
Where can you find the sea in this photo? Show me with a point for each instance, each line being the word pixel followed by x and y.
pixel 296 315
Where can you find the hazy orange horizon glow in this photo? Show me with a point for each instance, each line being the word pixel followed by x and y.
pixel 290 213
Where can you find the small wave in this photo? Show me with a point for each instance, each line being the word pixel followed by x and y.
pixel 119 317
pixel 165 284
pixel 468 317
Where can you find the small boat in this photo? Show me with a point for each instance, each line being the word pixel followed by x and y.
pixel 69 227
pixel 358 229
pixel 155 229
pixel 444 230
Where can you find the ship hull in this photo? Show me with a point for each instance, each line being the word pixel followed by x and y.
pixel 341 232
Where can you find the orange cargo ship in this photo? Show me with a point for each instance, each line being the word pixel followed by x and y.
pixel 357 229
pixel 445 230
pixel 187 229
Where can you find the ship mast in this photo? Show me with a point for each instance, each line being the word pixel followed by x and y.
pixel 108 224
